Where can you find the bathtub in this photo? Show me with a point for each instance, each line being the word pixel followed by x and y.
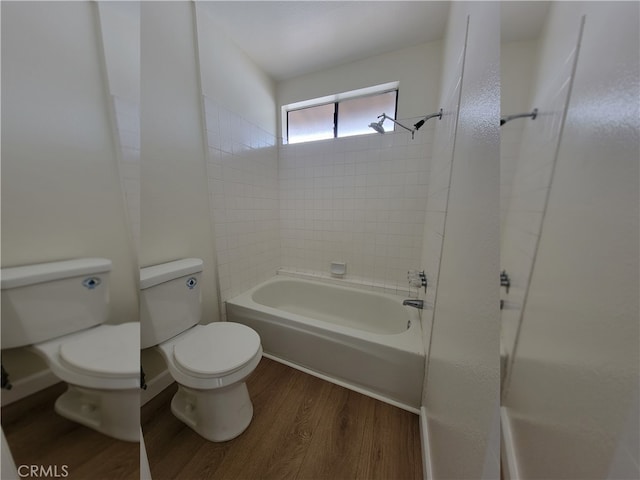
pixel 365 341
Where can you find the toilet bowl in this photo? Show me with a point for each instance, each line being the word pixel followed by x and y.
pixel 101 366
pixel 209 362
pixel 56 310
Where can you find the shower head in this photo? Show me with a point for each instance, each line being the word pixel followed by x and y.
pixel 380 129
pixel 377 126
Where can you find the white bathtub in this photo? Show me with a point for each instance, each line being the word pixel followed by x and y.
pixel 365 341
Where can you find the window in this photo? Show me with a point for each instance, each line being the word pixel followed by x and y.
pixel 311 123
pixel 345 115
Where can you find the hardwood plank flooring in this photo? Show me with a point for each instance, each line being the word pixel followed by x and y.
pixel 38 436
pixel 303 428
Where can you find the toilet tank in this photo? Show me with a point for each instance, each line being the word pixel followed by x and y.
pixel 48 300
pixel 170 300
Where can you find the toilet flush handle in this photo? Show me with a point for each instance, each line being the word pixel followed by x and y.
pixel 143 385
pixel 6 384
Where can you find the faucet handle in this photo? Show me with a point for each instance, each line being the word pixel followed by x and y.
pixel 415 282
pixel 417 279
pixel 505 281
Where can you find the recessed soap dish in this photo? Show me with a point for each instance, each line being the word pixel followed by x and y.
pixel 338 268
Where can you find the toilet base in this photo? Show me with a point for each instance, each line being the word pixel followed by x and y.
pixel 115 413
pixel 217 415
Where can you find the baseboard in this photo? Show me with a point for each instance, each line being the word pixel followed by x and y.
pixel 508 458
pixel 155 385
pixel 145 471
pixel 26 386
pixel 427 472
pixel 23 387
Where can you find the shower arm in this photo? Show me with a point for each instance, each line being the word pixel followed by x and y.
pixel 533 116
pixel 385 117
pixel 433 115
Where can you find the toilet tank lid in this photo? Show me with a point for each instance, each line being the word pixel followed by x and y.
pixel 156 274
pixel 12 277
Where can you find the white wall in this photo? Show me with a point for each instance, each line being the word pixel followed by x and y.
pixel 574 379
pixel 626 460
pixel 230 78
pixel 174 196
pixel 361 199
pixel 120 33
pixel 528 154
pixel 518 62
pixel 417 69
pixel 61 194
pixel 242 165
pixel 462 383
pixel 439 175
pixel 120 28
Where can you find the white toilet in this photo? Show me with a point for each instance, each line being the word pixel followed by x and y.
pixel 209 362
pixel 58 309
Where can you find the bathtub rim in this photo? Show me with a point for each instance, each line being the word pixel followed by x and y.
pixel 409 340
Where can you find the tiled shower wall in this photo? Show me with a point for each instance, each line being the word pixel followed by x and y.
pixel 360 200
pixel 242 170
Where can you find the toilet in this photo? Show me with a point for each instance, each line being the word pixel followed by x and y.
pixel 209 362
pixel 57 310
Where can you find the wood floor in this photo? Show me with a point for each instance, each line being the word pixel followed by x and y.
pixel 303 428
pixel 38 436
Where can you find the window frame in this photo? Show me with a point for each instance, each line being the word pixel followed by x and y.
pixel 335 100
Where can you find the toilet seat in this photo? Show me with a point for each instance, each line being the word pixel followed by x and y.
pixel 196 357
pixel 105 357
pixel 216 349
pixel 113 352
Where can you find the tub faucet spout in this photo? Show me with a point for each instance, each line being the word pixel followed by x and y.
pixel 412 302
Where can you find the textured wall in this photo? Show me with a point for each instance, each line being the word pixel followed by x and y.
pixel 517 73
pixel 534 163
pixel 462 381
pixel 574 379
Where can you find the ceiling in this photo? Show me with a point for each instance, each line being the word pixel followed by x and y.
pixel 291 38
pixel 521 21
